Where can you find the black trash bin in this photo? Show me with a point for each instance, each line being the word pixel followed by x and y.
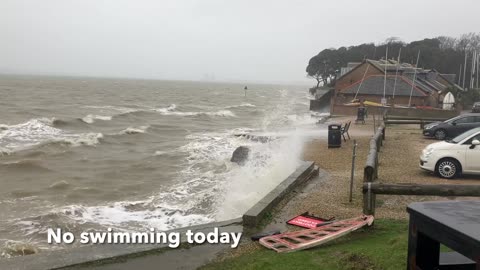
pixel 334 135
pixel 361 111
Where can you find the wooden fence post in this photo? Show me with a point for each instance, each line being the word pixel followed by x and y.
pixel 424 190
pixel 370 172
pixel 368 197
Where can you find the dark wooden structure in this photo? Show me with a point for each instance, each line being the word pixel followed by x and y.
pixel 456 224
pixel 425 190
pixel 361 114
pixel 389 119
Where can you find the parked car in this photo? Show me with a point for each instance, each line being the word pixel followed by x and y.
pixel 451 158
pixel 452 127
pixel 476 107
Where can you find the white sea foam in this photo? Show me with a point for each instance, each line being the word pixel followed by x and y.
pixel 40 131
pixel 245 104
pixel 172 110
pixel 222 113
pixel 110 108
pixel 129 215
pixel 209 176
pixel 301 120
pixel 80 139
pixel 13 248
pixel 134 130
pixel 5 152
pixel 236 188
pixel 159 153
pixel 320 114
pixel 268 165
pixel 89 119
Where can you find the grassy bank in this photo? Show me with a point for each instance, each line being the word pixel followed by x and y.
pixel 384 247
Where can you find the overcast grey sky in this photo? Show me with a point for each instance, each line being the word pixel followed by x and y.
pixel 244 40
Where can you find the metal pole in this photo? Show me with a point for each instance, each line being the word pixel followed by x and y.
pixel 464 70
pixel 460 76
pixel 374 124
pixel 396 72
pixel 414 78
pixel 385 79
pixel 478 63
pixel 353 169
pixel 472 71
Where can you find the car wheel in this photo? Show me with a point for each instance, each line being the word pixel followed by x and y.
pixel 448 168
pixel 440 134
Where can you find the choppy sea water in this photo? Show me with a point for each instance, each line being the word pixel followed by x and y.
pixel 86 154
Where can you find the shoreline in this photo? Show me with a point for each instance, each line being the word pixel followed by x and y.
pixel 98 255
pixel 325 195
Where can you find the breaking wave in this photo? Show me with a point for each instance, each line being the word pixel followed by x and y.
pixel 123 216
pixel 79 139
pixel 13 248
pixel 171 110
pixel 134 130
pixel 89 119
pixel 204 185
pixel 168 109
pixel 114 109
pixel 241 105
pixel 41 131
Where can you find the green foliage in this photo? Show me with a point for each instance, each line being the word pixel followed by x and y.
pixel 445 54
pixel 323 67
pixel 383 247
pixel 467 97
pixel 471 96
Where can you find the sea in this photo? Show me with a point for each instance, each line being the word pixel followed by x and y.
pixel 87 154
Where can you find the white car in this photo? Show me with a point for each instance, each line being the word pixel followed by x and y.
pixel 453 157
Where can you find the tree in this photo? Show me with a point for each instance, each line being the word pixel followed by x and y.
pixel 467 97
pixel 325 66
pixel 445 54
pixel 393 40
pixel 317 69
pixel 447 42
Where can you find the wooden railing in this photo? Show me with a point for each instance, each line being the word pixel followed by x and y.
pixel 424 190
pixel 370 172
pixel 411 120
